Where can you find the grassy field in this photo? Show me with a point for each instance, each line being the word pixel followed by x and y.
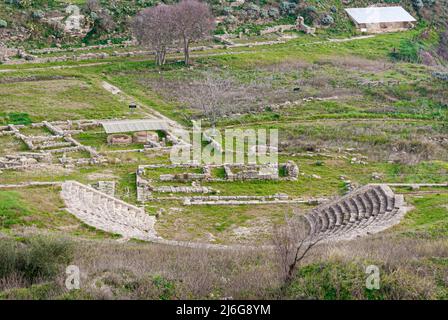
pixel 348 101
pixel 61 100
pixel 40 208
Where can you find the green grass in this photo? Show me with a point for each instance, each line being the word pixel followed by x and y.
pixel 10 145
pixel 13 209
pixel 99 140
pixel 42 208
pixel 429 218
pixel 346 280
pixel 60 100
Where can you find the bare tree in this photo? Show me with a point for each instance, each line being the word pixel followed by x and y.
pixel 194 21
pixel 292 243
pixel 211 94
pixel 154 28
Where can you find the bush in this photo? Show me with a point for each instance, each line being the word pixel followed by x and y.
pixel 332 280
pixel 288 8
pixel 37 259
pixel 38 14
pixel 440 75
pixel 273 13
pixel 418 4
pixel 310 14
pixel 409 51
pixel 252 10
pixel 19 118
pixel 227 11
pixel 327 20
pixel 3 23
pixel 230 20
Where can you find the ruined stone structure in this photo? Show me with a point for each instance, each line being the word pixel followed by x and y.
pixel 233 172
pixel 44 147
pixel 119 139
pixel 107 213
pixel 6 53
pixel 291 170
pixel 301 26
pixel 251 172
pixel 370 209
pixel 107 187
pixel 280 28
pixel 249 200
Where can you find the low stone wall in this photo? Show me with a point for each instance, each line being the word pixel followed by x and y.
pixel 119 139
pixel 186 189
pixel 280 28
pixel 106 187
pixel 224 202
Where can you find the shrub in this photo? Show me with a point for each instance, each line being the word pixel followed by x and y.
pixel 37 15
pixel 227 11
pixel 440 75
pixel 327 20
pixel 230 20
pixel 273 13
pixel 166 287
pixel 288 8
pixel 310 14
pixel 264 13
pixel 346 280
pixel 418 4
pixel 253 10
pixel 3 23
pixel 37 259
pixel 409 51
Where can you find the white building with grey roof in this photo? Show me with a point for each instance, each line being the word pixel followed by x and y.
pixel 381 19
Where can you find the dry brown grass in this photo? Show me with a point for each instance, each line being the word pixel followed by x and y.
pixel 410 269
pixel 407 143
pixel 357 63
pixel 191 273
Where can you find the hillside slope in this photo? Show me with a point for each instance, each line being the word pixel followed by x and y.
pixel 41 23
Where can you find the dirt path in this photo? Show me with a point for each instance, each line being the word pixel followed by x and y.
pixel 147 110
pixel 195 55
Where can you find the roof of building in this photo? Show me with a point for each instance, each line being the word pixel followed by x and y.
pixel 134 125
pixel 380 15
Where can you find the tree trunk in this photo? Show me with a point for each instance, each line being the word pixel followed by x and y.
pixel 186 51
pixel 160 57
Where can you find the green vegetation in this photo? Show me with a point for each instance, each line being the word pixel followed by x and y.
pixel 36 259
pixel 40 207
pixel 58 100
pixel 366 110
pixel 429 218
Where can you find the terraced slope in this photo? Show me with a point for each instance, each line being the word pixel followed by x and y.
pixel 368 210
pixel 107 213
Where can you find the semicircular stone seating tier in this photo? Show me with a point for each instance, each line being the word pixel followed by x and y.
pixel 367 210
pixel 107 213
